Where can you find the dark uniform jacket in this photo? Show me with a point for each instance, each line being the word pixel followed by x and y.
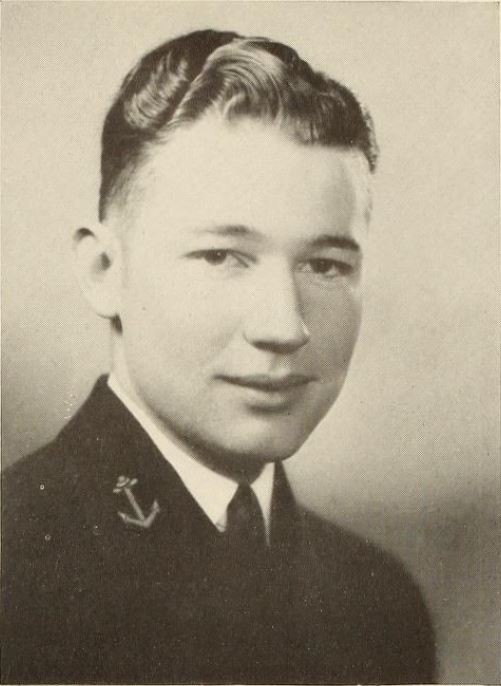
pixel 113 574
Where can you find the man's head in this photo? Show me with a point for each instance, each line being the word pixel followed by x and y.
pixel 234 204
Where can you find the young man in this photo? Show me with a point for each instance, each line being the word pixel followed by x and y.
pixel 156 540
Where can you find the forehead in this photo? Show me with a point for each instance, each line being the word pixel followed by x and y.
pixel 250 172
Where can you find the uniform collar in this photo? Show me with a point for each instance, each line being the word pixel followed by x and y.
pixel 212 491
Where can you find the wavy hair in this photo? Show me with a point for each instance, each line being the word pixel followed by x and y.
pixel 237 77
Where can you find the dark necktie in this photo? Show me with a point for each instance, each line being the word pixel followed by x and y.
pixel 245 523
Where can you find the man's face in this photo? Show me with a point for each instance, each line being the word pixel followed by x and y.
pixel 240 302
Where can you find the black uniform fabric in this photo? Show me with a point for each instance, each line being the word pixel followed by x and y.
pixel 113 574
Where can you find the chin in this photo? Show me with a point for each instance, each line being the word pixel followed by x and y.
pixel 265 449
pixel 268 438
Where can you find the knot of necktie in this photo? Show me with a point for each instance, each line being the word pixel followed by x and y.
pixel 245 522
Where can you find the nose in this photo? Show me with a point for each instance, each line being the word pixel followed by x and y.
pixel 276 322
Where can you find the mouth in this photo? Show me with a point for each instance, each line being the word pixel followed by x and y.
pixel 270 383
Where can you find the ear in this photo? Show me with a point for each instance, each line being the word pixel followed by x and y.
pixel 98 266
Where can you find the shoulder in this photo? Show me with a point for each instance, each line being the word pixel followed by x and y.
pixel 378 600
pixel 36 497
pixel 337 546
pixel 42 498
pixel 32 481
pixel 360 564
pixel 42 486
pixel 53 467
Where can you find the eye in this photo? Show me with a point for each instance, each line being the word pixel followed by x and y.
pixel 214 257
pixel 327 267
pixel 219 257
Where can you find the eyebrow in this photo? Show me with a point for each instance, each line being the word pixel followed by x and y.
pixel 235 230
pixel 325 240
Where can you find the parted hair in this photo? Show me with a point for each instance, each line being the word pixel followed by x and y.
pixel 237 77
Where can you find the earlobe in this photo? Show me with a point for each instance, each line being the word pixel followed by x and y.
pixel 98 268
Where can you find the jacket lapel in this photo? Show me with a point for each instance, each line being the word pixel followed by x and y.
pixel 131 500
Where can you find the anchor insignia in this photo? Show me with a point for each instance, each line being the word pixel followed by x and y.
pixel 124 485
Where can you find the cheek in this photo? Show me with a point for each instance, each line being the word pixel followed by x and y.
pixel 334 323
pixel 177 317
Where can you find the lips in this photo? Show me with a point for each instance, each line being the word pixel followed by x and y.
pixel 270 383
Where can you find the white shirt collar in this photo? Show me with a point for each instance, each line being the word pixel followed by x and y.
pixel 212 491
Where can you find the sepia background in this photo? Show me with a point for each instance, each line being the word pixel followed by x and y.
pixel 409 456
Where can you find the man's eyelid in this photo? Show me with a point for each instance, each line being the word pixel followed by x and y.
pixel 350 258
pixel 239 255
pixel 335 257
pixel 243 258
pixel 333 253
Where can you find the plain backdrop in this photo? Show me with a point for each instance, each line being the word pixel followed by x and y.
pixel 410 453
